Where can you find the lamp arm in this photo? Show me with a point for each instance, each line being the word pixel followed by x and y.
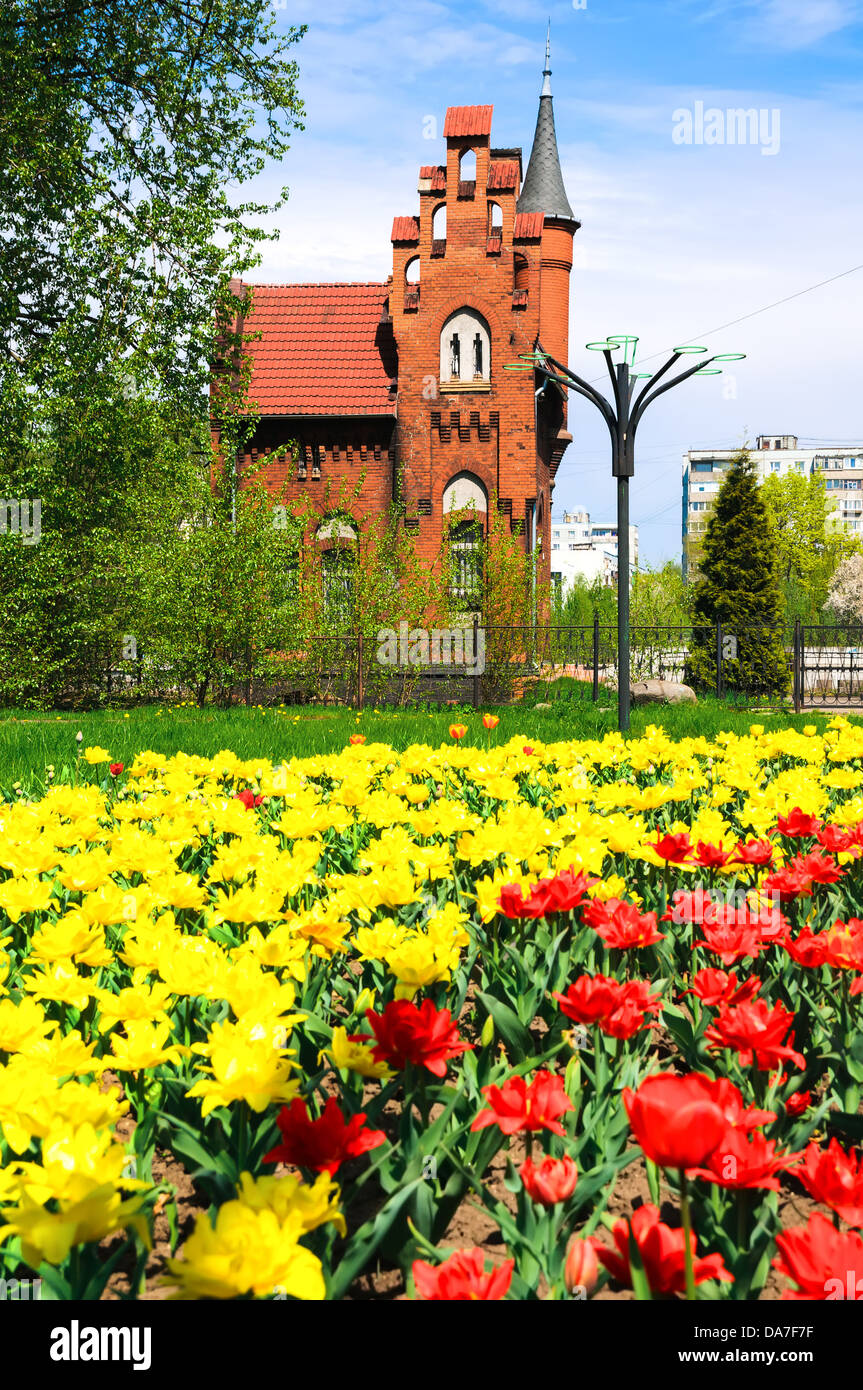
pixel 649 385
pixel 584 388
pixel 667 387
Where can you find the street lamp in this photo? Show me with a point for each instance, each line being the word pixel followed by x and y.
pixel 623 417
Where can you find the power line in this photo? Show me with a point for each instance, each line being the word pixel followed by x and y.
pixel 754 314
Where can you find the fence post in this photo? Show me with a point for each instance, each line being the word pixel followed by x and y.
pixel 719 661
pixel 595 657
pixel 798 666
pixel 476 678
pixel 360 671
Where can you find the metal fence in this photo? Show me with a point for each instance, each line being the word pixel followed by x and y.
pixel 751 665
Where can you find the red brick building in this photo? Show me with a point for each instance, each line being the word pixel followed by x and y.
pixel 407 381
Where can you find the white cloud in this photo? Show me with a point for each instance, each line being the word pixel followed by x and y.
pixel 779 24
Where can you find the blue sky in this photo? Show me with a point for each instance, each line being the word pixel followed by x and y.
pixel 676 239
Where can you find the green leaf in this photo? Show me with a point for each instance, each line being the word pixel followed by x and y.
pixel 516 1038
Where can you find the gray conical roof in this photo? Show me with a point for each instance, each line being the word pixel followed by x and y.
pixel 543 190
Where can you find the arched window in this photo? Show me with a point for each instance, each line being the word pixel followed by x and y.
pixel 465 348
pixel 412 271
pixel 522 272
pixel 338 562
pixel 467 167
pixel 465 499
pixel 495 219
pixel 439 227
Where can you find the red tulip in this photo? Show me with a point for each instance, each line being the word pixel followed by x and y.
pixel 517 1106
pixel 817 867
pixel 618 1009
pixel 697 907
pixel 757 1032
pixel 844 944
pixel 356 738
pixel 807 949
pixel 323 1144
pixel 738 1162
pixel 798 1104
pixel 731 941
pixel 797 825
pixel 248 799
pixel 675 1119
pixel 563 893
pixel 550 1181
pixel 790 883
pixel 674 849
pixel 620 925
pixel 662 1254
pixel 714 987
pixel 712 856
pixel 457 731
pixel 824 1263
pixel 731 1103
pixel 581 1270
pixel 115 769
pixel 424 1036
pixel 490 721
pixel 758 853
pixel 527 749
pixel 832 838
pixel 835 1178
pixel 462 1278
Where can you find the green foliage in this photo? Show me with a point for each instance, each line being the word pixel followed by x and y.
pixel 658 598
pixel 215 591
pixel 103 466
pixel 738 585
pixel 124 132
pixel 582 599
pixel 809 546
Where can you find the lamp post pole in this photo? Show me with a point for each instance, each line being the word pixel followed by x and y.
pixel 622 415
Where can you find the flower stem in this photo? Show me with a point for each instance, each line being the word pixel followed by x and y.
pixel 687 1236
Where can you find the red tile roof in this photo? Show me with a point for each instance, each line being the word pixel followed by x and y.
pixel 467 120
pixel 503 174
pixel 438 179
pixel 528 226
pixel 405 229
pixel 323 350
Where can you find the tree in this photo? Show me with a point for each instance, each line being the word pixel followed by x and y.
pixel 124 130
pixel 738 585
pixel 810 545
pixel 219 605
pixel 660 598
pixel 845 597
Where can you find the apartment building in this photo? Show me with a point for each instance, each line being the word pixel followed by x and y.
pixel 774 454
pixel 585 549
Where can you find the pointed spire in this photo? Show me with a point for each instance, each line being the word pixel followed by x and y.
pixel 546 72
pixel 543 189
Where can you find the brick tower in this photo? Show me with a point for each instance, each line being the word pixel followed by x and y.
pixel 408 380
pixel 467 299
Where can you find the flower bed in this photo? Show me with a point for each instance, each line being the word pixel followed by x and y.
pixel 351 999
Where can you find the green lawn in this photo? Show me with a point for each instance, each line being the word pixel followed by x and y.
pixel 31 742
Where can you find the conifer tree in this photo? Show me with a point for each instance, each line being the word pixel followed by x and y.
pixel 739 586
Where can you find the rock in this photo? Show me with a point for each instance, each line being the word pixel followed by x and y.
pixel 661 693
pixel 544 705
